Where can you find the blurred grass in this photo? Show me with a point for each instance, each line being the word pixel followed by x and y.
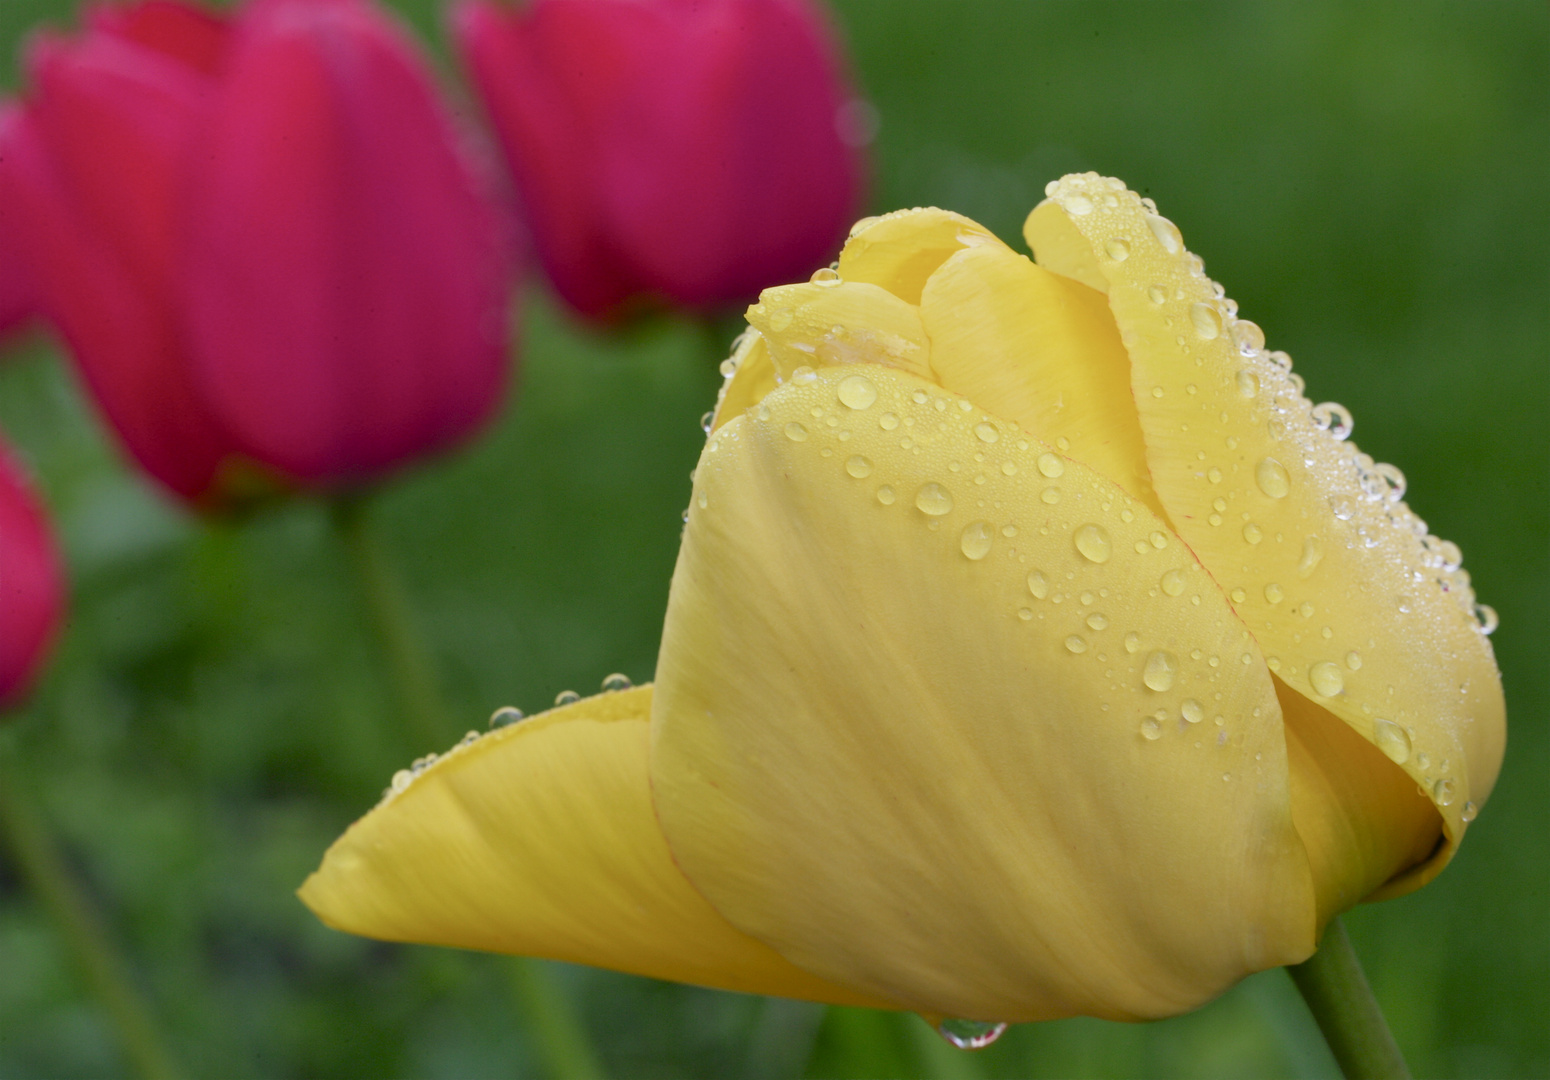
pixel 1369 183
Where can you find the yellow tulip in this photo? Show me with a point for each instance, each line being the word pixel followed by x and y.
pixel 1034 649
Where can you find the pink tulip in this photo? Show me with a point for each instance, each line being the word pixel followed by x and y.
pixel 262 238
pixel 692 151
pixel 31 587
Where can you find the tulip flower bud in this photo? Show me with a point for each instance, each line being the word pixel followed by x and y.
pixel 691 153
pixel 1035 649
pixel 31 590
pixel 262 239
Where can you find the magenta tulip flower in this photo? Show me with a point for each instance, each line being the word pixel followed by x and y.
pixel 263 238
pixel 686 151
pixel 31 585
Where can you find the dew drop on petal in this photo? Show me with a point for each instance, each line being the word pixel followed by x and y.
pixel 1132 641
pixel 976 540
pixel 1097 621
pixel 1161 669
pixel 986 433
pixel 1192 710
pixel 1442 791
pixel 1392 740
pixel 888 421
pixel 566 697
pixel 1151 730
pixel 857 392
pixel 1326 679
pixel 1116 249
pixel 1274 594
pixel 1272 478
pixel 617 681
pixel 1172 582
pixel 858 466
pixel 1051 466
pixel 1094 544
pixel 1038 584
pixel 933 500
pixel 1471 811
pixel 1167 233
pixel 505 716
pixel 796 432
pixel 1207 321
pixel 1076 643
pixel 1252 533
pixel 885 495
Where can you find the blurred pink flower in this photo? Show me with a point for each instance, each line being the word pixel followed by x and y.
pixel 262 238
pixel 692 151
pixel 31 586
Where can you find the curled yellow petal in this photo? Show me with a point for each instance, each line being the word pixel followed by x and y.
pixel 899 251
pixel 839 322
pixel 1041 350
pixel 1356 607
pixel 752 375
pixel 539 839
pixel 948 731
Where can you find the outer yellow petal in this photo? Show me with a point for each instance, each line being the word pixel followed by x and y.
pixel 899 251
pixel 839 322
pixel 879 748
pixel 1041 350
pixel 539 839
pixel 1355 606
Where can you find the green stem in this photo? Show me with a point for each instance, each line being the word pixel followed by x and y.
pixel 561 1038
pixel 413 677
pixel 549 1018
pixel 25 832
pixel 1337 993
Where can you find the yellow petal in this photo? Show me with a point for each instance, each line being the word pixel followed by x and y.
pixel 1040 350
pixel 899 251
pixel 839 322
pixel 934 734
pixel 753 376
pixel 1355 606
pixel 539 839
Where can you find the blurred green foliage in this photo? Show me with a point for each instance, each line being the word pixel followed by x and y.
pixel 1369 181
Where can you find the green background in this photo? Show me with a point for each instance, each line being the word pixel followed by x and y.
pixel 1369 181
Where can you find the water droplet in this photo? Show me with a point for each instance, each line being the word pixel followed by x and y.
pixel 1326 679
pixel 402 779
pixel 1252 533
pixel 1274 593
pixel 970 1034
pixel 1341 507
pixel 1167 233
pixel 1312 555
pixel 1353 660
pixel 728 368
pixel 1192 710
pixel 976 540
pixel 705 422
pixel 1132 641
pixel 780 319
pixel 1392 740
pixel 1393 480
pixel 1076 643
pixel 1094 544
pixel 1025 613
pixel 1051 466
pixel 1050 495
pixel 1172 582
pixel 1333 417
pixel 1097 621
pixel 804 376
pixel 796 432
pixel 1471 811
pixel 888 421
pixel 1442 791
pixel 1207 321
pixel 1161 668
pixel 505 716
pixel 858 467
pixel 986 433
pixel 1117 249
pixel 616 682
pixel 1151 730
pixel 933 500
pixel 1238 596
pixel 1159 539
pixel 857 392
pixel 566 697
pixel 825 276
pixel 1077 203
pixel 1157 295
pixel 1248 337
pixel 1272 478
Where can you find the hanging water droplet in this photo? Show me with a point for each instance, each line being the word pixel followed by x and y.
pixel 1392 740
pixel 1470 812
pixel 566 697
pixel 1247 335
pixel 933 500
pixel 1161 668
pixel 970 1034
pixel 1326 679
pixel 986 433
pixel 1093 542
pixel 976 540
pixel 728 368
pixel 1172 582
pixel 505 716
pixel 705 422
pixel 1312 555
pixel 1207 321
pixel 796 432
pixel 1151 730
pixel 1192 710
pixel 1167 233
pixel 1333 417
pixel 1486 616
pixel 1051 466
pixel 885 495
pixel 1076 643
pixel 1442 791
pixel 1392 480
pixel 616 682
pixel 1272 478
pixel 857 392
pixel 859 467
pixel 1116 249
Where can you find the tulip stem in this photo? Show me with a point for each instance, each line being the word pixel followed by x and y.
pixel 41 864
pixel 560 1036
pixel 1334 986
pixel 413 676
